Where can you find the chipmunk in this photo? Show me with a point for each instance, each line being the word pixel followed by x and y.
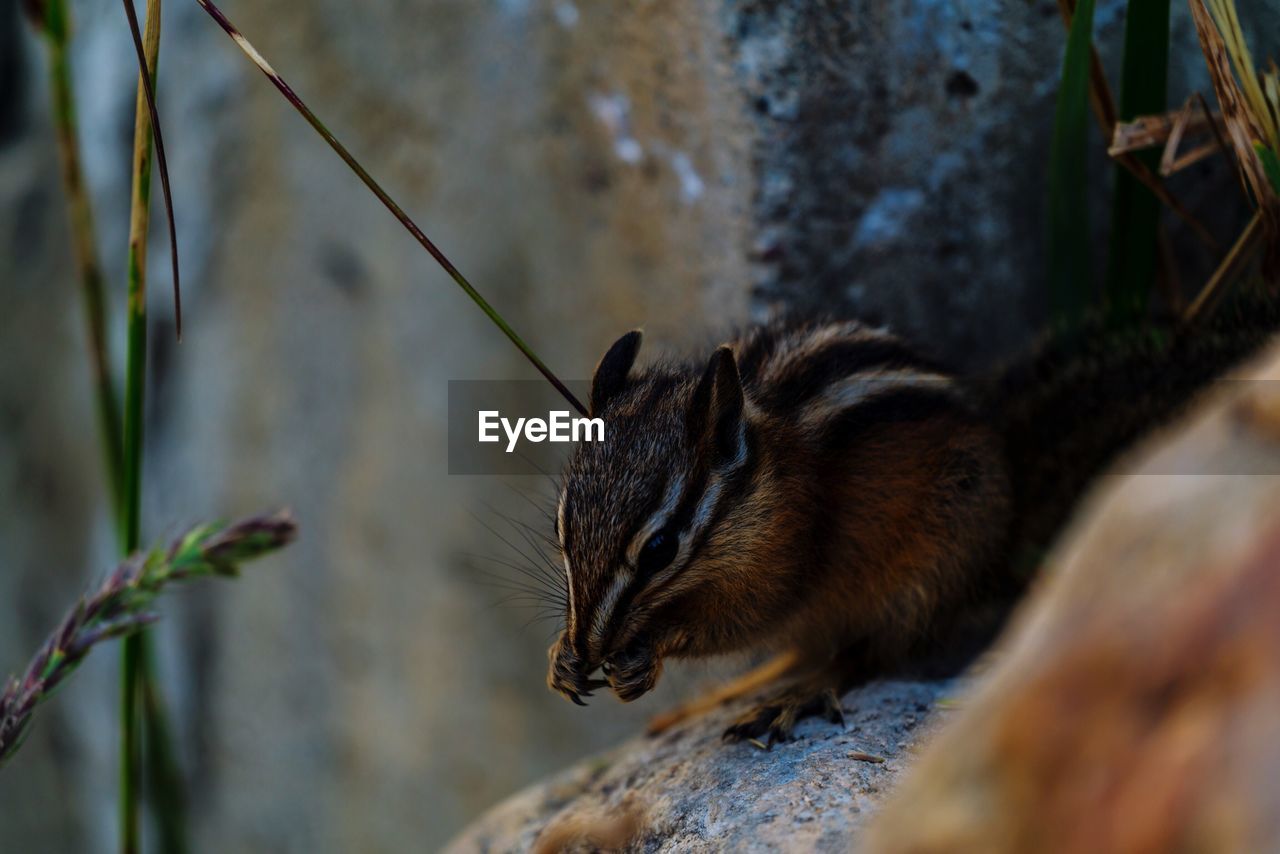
pixel 824 491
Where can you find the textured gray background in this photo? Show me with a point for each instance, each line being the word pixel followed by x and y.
pixel 676 164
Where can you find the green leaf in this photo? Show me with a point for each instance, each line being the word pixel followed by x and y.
pixel 1270 164
pixel 1069 244
pixel 1135 219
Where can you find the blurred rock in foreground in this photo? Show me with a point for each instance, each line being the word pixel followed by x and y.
pixel 1136 704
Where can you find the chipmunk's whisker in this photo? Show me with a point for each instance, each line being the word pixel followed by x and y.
pixel 541 563
pixel 518 592
pixel 538 579
pixel 545 505
pixel 546 475
pixel 526 593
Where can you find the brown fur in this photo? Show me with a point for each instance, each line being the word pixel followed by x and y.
pixel 880 505
pixel 843 549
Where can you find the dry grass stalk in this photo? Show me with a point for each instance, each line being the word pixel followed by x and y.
pixel 1151 131
pixel 1247 113
pixel 1254 86
pixel 1168 131
pixel 1250 106
pixel 1229 270
pixel 1170 161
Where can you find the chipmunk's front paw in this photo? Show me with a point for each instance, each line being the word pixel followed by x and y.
pixel 775 718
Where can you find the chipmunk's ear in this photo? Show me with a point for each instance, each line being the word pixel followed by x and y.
pixel 717 406
pixel 611 374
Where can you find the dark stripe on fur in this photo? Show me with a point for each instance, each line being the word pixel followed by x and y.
pixel 736 483
pixel 893 407
pixel 755 351
pixel 814 372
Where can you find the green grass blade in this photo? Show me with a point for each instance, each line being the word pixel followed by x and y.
pixel 1135 223
pixel 136 680
pixel 52 20
pixel 164 785
pixel 1270 164
pixel 1069 240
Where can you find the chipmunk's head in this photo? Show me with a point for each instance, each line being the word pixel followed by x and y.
pixel 636 519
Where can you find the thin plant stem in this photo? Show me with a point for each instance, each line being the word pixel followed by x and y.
pixel 1238 258
pixel 390 203
pixel 165 786
pixel 134 656
pixel 147 92
pixel 136 307
pixel 56 29
pixel 130 747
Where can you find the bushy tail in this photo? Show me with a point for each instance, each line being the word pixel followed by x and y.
pixel 1075 403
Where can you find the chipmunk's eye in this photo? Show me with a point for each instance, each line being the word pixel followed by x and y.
pixel 658 553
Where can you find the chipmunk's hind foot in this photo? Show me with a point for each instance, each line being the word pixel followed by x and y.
pixel 775 718
pixel 746 684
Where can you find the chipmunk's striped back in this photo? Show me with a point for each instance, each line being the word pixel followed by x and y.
pixel 834 376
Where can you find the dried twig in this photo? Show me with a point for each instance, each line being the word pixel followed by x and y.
pixel 1167 130
pixel 1237 260
pixel 1170 161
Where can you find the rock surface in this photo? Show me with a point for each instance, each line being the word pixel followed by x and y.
pixel 687 790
